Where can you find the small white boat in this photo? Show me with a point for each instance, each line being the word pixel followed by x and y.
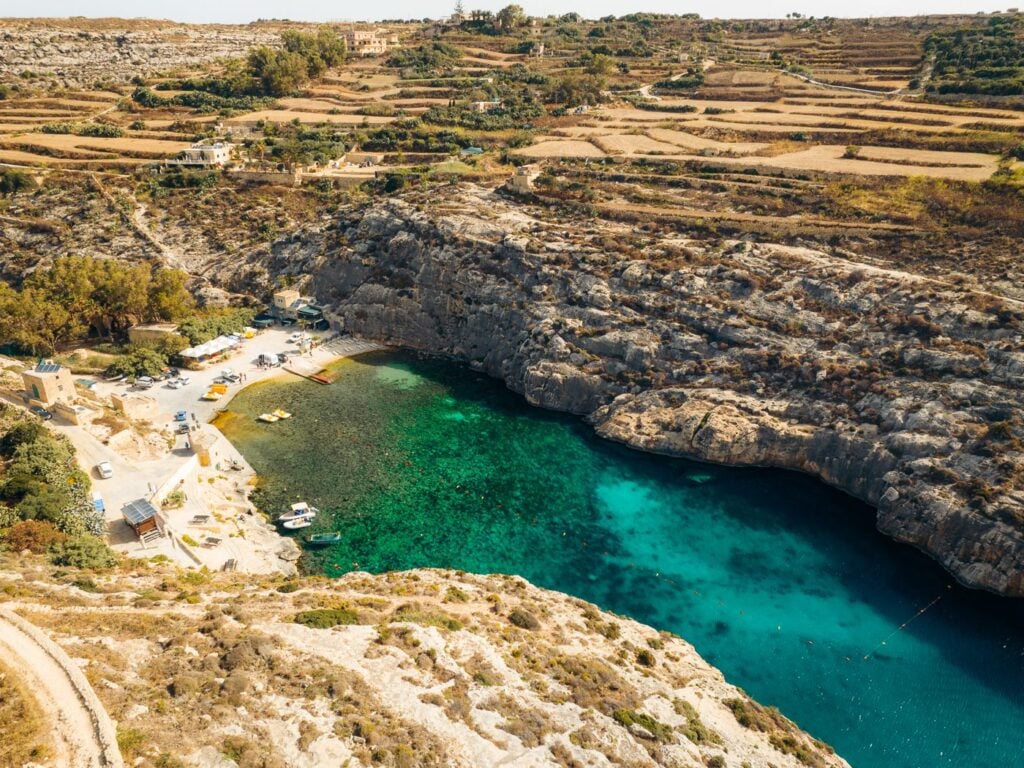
pixel 299 511
pixel 299 522
pixel 269 418
pixel 281 414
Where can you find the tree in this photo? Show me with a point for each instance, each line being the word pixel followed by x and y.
pixel 140 361
pixel 83 551
pixel 511 17
pixel 169 299
pixel 34 535
pixel 13 181
pixel 321 51
pixel 599 65
pixel 279 72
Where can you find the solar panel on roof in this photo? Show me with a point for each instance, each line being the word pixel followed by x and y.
pixel 138 511
pixel 47 367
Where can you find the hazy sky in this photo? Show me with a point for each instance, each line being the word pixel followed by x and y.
pixel 321 10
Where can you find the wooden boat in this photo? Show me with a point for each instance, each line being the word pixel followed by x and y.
pixel 281 414
pixel 323 539
pixel 211 395
pixel 298 522
pixel 299 511
pixel 268 418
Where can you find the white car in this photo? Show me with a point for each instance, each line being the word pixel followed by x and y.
pixel 105 470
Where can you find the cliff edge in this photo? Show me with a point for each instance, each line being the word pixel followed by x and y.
pixel 899 389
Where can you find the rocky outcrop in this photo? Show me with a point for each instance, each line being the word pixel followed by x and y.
pixel 118 50
pixel 421 668
pixel 901 390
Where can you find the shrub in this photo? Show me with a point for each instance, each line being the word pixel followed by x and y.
pixel 417 615
pixel 129 740
pixel 695 730
pixel 523 619
pixel 628 717
pixel 645 658
pixel 34 535
pixel 85 551
pixel 174 500
pixel 325 618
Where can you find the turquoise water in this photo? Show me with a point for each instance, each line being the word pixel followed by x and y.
pixel 780 582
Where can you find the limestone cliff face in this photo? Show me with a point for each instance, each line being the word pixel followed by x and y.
pixel 901 390
pixel 116 49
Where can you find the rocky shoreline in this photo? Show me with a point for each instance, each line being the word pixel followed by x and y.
pixel 901 390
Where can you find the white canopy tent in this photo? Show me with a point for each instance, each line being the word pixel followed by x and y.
pixel 211 348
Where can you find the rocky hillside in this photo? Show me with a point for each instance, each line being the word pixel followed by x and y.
pixel 423 668
pixel 80 54
pixel 902 390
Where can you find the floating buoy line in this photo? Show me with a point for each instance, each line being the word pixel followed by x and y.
pixel 902 626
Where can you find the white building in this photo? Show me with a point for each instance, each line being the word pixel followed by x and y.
pixel 369 42
pixel 486 106
pixel 204 155
pixel 524 177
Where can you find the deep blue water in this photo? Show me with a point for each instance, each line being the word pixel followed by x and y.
pixel 779 581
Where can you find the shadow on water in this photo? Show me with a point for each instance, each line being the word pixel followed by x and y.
pixel 781 582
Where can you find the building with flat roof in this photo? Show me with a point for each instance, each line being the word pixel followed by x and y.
pixel 49 383
pixel 524 177
pixel 369 42
pixel 204 156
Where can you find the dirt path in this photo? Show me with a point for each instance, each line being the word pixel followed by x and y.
pixel 82 734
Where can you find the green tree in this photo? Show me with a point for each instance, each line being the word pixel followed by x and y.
pixel 140 361
pixel 279 72
pixel 84 551
pixel 13 181
pixel 599 65
pixel 511 17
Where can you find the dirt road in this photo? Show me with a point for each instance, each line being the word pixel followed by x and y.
pixel 81 731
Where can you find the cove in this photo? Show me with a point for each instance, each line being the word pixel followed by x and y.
pixel 777 580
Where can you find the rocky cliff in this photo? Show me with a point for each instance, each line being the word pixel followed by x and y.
pixel 423 668
pixel 77 53
pixel 902 390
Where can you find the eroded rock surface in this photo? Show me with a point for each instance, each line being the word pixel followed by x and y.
pixel 421 668
pixel 79 54
pixel 901 390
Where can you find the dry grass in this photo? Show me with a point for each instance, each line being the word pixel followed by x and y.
pixel 25 739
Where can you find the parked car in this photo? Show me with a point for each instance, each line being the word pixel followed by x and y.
pixel 41 412
pixel 105 470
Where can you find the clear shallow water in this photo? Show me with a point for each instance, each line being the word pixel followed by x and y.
pixel 777 580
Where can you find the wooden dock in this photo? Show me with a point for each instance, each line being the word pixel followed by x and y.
pixel 314 368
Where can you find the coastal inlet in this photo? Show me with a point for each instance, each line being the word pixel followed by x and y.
pixel 777 580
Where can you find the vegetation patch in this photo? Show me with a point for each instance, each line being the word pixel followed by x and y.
pixel 25 737
pixel 325 618
pixel 628 717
